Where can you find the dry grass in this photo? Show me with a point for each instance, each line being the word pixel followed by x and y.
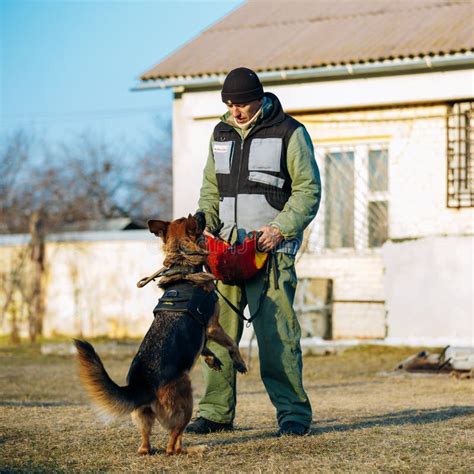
pixel 362 421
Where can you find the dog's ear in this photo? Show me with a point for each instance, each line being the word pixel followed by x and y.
pixel 192 225
pixel 159 228
pixel 201 220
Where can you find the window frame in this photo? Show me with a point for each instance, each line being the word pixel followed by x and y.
pixel 362 195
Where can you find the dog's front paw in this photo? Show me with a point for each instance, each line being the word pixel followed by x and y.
pixel 144 449
pixel 240 366
pixel 213 362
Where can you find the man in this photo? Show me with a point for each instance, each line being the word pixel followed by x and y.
pixel 260 175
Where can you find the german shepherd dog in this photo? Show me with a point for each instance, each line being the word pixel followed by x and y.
pixel 158 379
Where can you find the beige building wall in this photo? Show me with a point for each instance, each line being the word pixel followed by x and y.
pixel 91 285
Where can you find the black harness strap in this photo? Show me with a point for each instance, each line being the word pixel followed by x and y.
pixel 186 298
pixel 274 262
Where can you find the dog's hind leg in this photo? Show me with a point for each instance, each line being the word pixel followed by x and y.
pixel 174 410
pixel 144 417
pixel 175 443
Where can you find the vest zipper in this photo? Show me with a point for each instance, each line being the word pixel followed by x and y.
pixel 238 180
pixel 239 171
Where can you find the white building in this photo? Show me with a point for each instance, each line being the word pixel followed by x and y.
pixel 386 91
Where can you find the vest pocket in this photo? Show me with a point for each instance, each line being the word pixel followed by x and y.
pixel 222 152
pixel 265 178
pixel 265 154
pixel 227 215
pixel 254 211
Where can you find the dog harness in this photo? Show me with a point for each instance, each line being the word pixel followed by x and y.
pixel 186 298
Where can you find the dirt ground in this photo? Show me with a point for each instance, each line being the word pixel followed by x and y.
pixel 363 421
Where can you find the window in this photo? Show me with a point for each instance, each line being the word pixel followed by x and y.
pixel 378 205
pixel 460 127
pixel 339 215
pixel 356 185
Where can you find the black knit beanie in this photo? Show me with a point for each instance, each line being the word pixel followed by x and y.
pixel 241 86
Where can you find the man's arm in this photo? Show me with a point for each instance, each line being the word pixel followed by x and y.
pixel 303 204
pixel 209 194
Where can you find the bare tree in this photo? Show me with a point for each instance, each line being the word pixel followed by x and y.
pixel 91 182
pixel 14 158
pixel 36 300
pixel 154 177
pixel 81 180
pixel 12 283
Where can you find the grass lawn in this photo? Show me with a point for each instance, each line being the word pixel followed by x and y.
pixel 363 421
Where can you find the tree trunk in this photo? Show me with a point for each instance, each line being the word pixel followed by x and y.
pixel 37 256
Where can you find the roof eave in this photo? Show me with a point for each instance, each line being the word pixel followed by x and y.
pixel 418 64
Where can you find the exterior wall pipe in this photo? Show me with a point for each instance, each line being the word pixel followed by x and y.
pixel 423 64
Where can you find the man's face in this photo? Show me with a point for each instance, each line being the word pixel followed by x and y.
pixel 242 113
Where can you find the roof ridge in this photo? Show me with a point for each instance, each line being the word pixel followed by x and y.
pixel 440 4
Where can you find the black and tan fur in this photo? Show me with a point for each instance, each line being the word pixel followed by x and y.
pixel 159 386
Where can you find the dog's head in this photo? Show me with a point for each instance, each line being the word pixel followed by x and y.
pixel 184 245
pixel 180 230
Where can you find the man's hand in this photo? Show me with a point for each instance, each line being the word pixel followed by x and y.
pixel 270 238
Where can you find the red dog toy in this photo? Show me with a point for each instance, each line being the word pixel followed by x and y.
pixel 235 262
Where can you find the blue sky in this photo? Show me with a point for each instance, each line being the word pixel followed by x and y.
pixel 67 66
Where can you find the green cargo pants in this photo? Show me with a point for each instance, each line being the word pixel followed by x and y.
pixel 278 336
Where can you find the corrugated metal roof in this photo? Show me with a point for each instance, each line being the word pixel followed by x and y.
pixel 276 35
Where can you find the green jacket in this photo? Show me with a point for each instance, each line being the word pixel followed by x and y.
pixel 303 203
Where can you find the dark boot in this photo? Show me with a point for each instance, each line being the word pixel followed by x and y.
pixel 292 428
pixel 202 426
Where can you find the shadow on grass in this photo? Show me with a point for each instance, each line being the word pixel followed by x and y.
pixel 31 466
pixel 316 387
pixel 240 435
pixel 361 383
pixel 38 404
pixel 405 417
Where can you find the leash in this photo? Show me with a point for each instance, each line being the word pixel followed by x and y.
pixel 144 281
pixel 236 310
pixel 271 266
pixel 165 271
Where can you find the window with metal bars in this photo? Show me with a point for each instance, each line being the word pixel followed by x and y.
pixel 460 153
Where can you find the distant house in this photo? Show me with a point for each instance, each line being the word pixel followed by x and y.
pixel 386 91
pixel 104 225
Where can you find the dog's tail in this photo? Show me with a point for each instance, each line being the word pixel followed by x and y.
pixel 109 396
